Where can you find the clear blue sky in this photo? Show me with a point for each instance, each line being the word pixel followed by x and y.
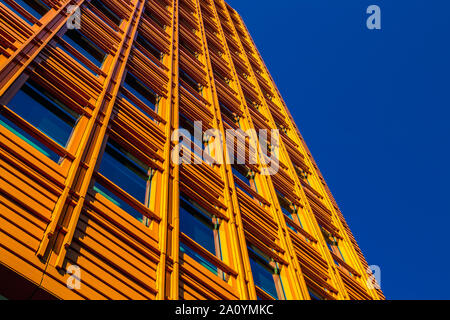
pixel 374 108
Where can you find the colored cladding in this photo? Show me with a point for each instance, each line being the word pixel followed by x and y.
pixel 86 177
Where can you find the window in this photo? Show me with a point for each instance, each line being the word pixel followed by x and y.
pixel 243 173
pixel 190 81
pixel 152 17
pixel 189 125
pixel 314 295
pixel 289 210
pixel 302 174
pixel 149 47
pixel 36 8
pixel 266 273
pixel 223 78
pixel 332 243
pixel 46 113
pixel 229 116
pixel 129 174
pixel 107 12
pixel 85 47
pixel 142 92
pixel 188 48
pixel 243 176
pixel 201 227
pixel 11 126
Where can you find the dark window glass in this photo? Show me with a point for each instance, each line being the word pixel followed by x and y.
pixel 332 243
pixel 188 125
pixel 141 91
pixel 199 226
pixel 190 81
pixel 107 12
pixel 285 205
pixel 149 47
pixel 188 48
pixel 152 17
pixel 126 171
pixel 241 172
pixel 36 8
pixel 263 273
pixel 44 112
pixel 85 46
pixel 228 116
pixel 313 295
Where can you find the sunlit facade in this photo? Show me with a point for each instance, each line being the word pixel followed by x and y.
pixel 92 205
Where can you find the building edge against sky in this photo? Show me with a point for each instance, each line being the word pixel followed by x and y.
pixel 91 207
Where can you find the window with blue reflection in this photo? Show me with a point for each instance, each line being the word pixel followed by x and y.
pixel 85 46
pixel 198 225
pixel 141 91
pixel 313 295
pixel 264 272
pixel 244 174
pixel 36 8
pixel 127 172
pixel 46 113
pixel 241 172
pixel 28 138
pixel 194 255
pixel 108 194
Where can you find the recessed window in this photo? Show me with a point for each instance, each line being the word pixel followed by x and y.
pixel 104 9
pixel 190 81
pixel 229 116
pixel 266 273
pixel 156 20
pixel 289 209
pixel 243 173
pixel 302 174
pixel 36 8
pixel 188 48
pixel 46 113
pixel 189 125
pixel 332 243
pixel 203 228
pixel 126 171
pixel 22 134
pixel 314 295
pixel 120 202
pixel 147 45
pixel 85 47
pixel 141 91
pixel 244 176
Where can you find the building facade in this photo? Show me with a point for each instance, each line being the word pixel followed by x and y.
pixel 92 203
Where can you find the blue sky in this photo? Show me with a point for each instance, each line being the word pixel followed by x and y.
pixel 373 107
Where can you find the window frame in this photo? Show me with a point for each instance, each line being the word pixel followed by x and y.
pixel 216 238
pixel 267 263
pixel 66 152
pixel 143 208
